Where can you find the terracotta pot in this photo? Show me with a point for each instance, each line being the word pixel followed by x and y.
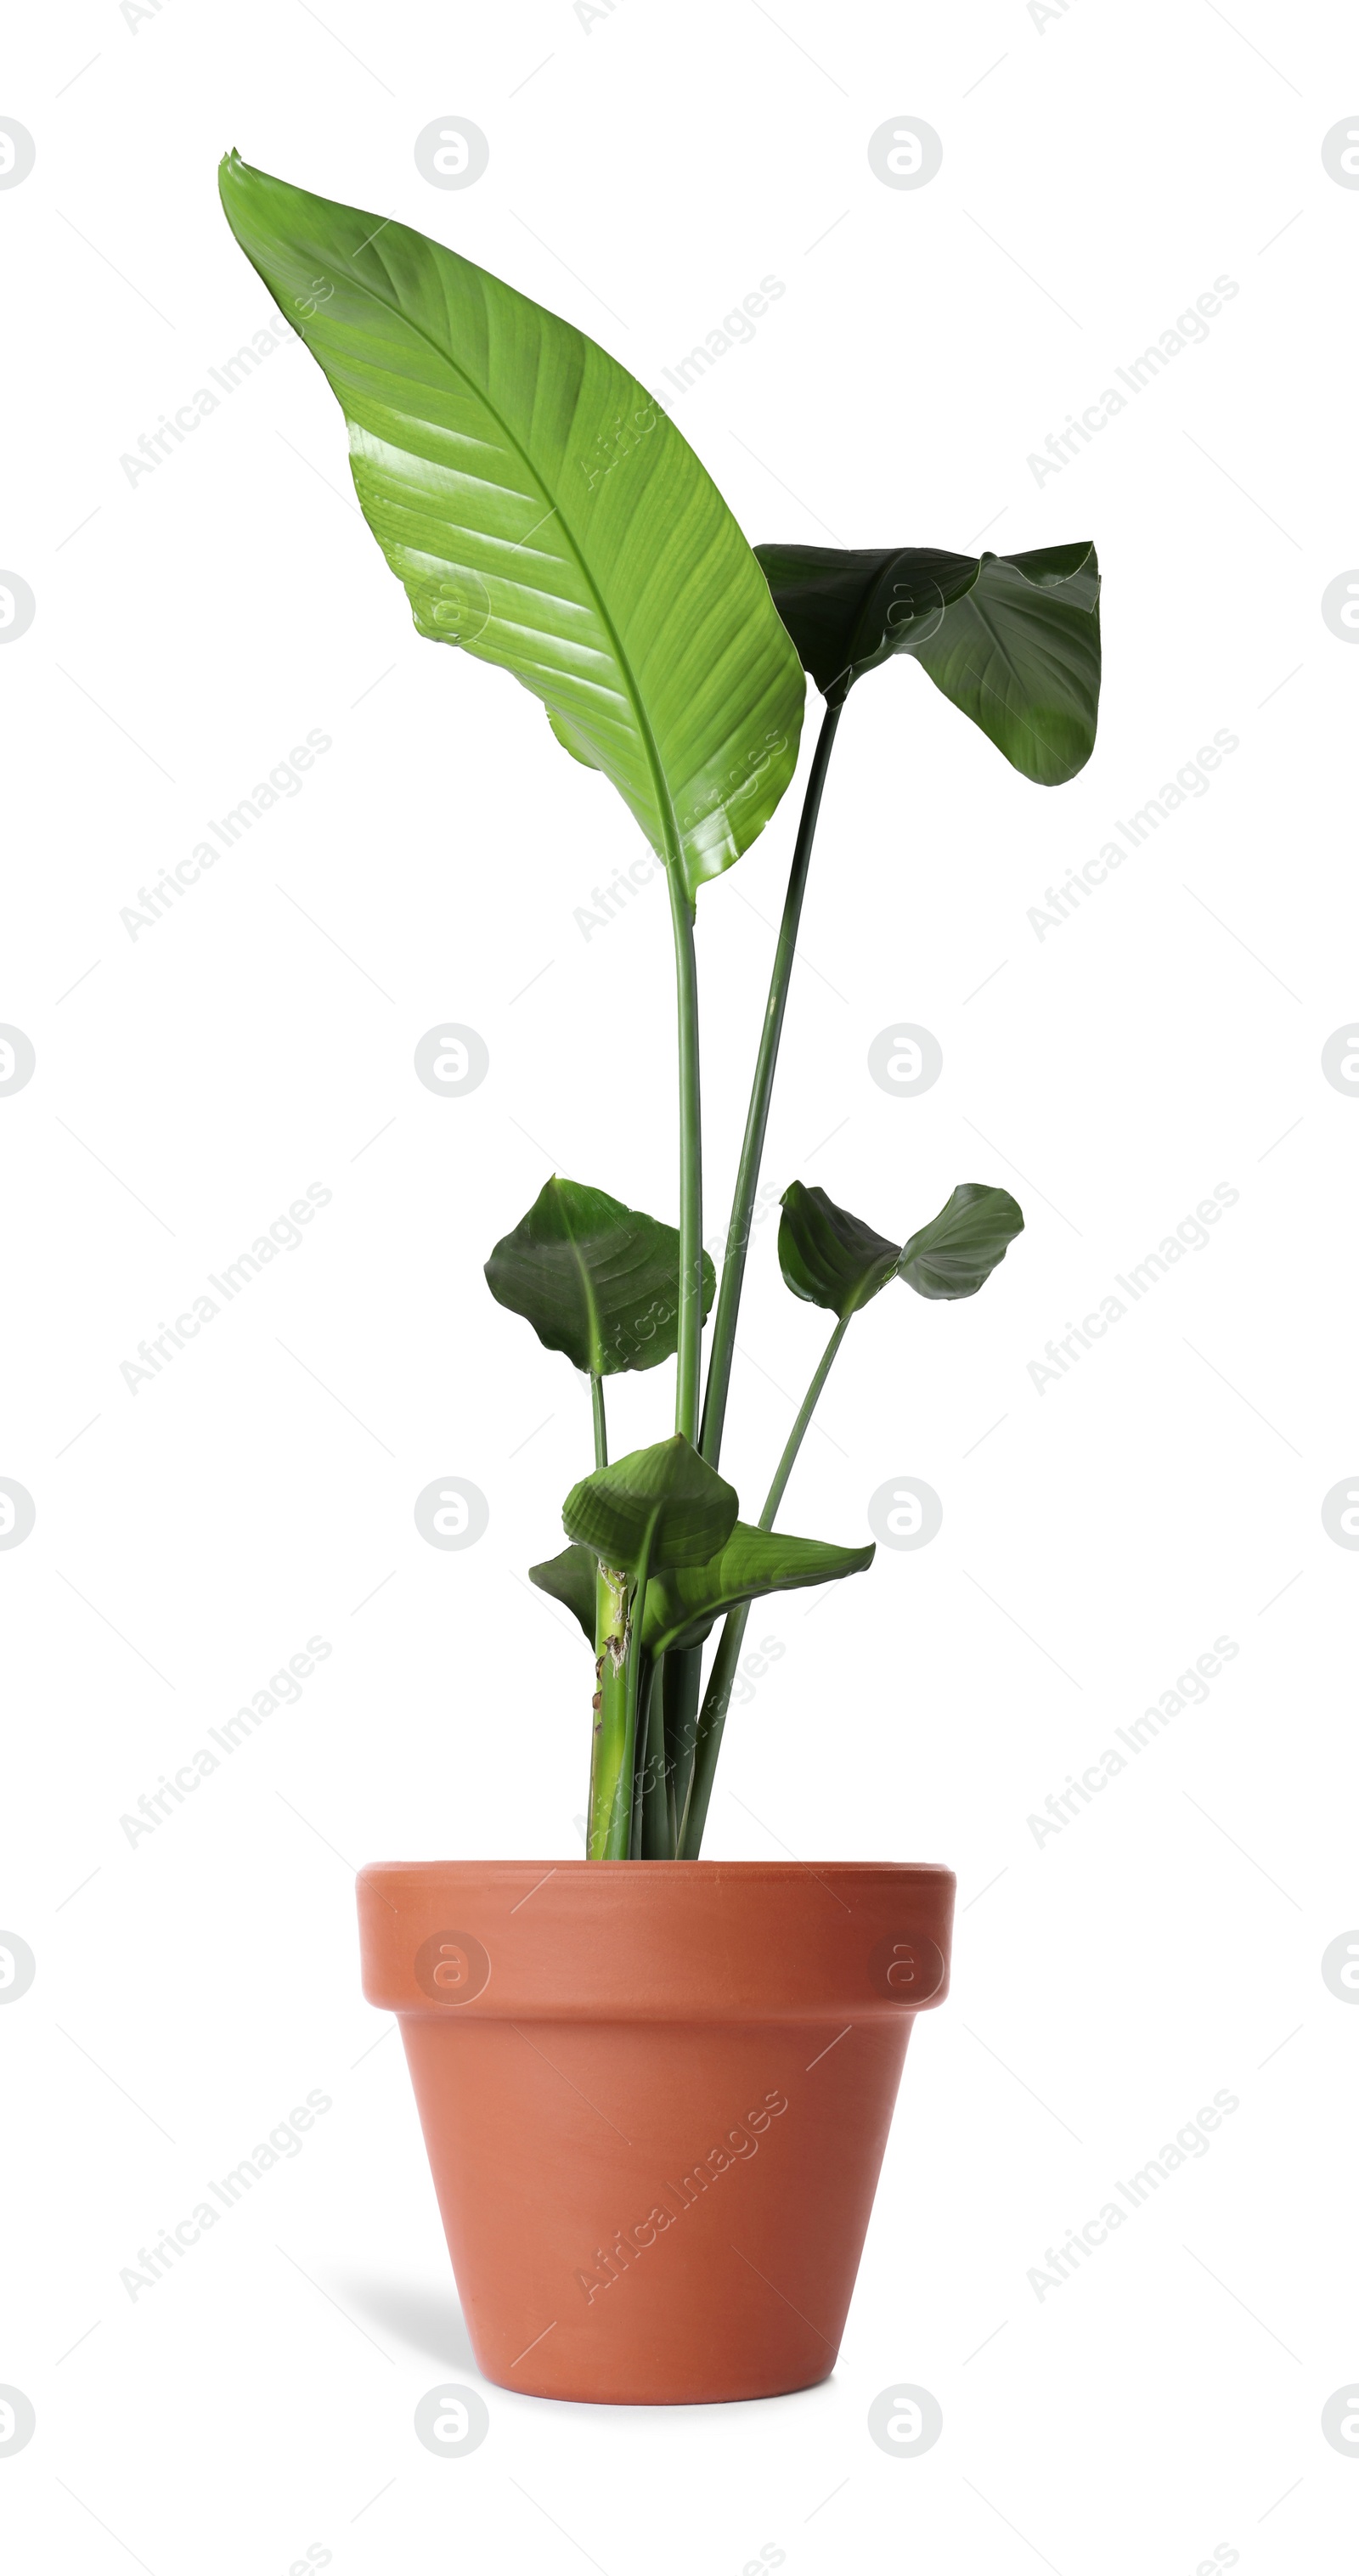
pixel 655 2097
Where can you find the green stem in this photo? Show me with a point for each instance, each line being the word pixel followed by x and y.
pixel 757 1116
pixel 682 1682
pixel 601 1430
pixel 657 1836
pixel 708 1741
pixel 784 1468
pixel 621 1833
pixel 690 1324
pixel 713 1715
pixel 610 1770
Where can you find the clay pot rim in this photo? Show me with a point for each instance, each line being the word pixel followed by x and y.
pixel 668 1871
pixel 707 1940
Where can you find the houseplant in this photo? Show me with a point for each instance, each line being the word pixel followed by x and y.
pixel 597 2043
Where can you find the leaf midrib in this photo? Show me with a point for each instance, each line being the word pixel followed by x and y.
pixel 664 802
pixel 594 1321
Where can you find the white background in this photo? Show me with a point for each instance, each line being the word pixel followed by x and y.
pixel 1098 174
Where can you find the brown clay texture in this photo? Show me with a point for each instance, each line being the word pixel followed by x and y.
pixel 655 2098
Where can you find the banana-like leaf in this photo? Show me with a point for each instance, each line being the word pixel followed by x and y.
pixel 544 513
pixel 595 1279
pixel 682 1607
pixel 570 1578
pixel 828 1256
pixel 1011 639
pixel 656 1511
pixel 834 1260
pixel 956 1253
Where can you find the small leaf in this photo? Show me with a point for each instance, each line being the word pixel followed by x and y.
pixel 833 1259
pixel 1013 640
pixel 596 1280
pixel 829 1257
pixel 653 1512
pixel 956 1253
pixel 570 1578
pixel 682 1607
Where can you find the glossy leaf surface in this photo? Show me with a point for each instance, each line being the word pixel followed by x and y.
pixel 543 513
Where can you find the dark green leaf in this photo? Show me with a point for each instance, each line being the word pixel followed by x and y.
pixel 653 1512
pixel 570 1578
pixel 848 609
pixel 595 1279
pixel 828 1256
pixel 956 1253
pixel 544 513
pixel 681 1608
pixel 1012 639
pixel 833 1259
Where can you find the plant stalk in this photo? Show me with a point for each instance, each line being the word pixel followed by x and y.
pixel 716 1698
pixel 683 1681
pixel 757 1116
pixel 657 1835
pixel 622 1837
pixel 690 1325
pixel 600 1427
pixel 610 1770
pixel 796 1436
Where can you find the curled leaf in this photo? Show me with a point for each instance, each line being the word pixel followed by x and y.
pixel 654 1512
pixel 1013 640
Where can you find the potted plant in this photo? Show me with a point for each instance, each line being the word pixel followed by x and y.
pixel 655 2099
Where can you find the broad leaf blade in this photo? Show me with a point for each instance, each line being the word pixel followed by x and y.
pixel 570 739
pixel 1020 654
pixel 570 1578
pixel 829 1257
pixel 653 1512
pixel 850 608
pixel 544 513
pixel 596 1280
pixel 682 1607
pixel 1013 640
pixel 955 1254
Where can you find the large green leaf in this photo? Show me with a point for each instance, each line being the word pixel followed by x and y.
pixel 828 1256
pixel 1012 639
pixel 595 1279
pixel 834 1260
pixel 653 1512
pixel 544 513
pixel 955 1254
pixel 682 1607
